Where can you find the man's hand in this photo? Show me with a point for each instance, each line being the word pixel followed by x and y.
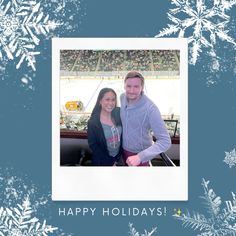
pixel 133 160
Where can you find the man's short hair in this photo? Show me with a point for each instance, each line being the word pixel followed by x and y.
pixel 135 74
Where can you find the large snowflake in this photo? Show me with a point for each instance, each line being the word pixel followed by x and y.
pixel 222 221
pixel 19 204
pixel 230 158
pixel 17 221
pixel 22 23
pixel 202 22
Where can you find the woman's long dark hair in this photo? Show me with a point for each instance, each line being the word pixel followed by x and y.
pixel 97 108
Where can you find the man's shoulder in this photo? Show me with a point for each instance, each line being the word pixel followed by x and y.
pixel 122 96
pixel 150 104
pixel 147 100
pixel 122 99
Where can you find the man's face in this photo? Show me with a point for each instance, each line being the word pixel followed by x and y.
pixel 133 89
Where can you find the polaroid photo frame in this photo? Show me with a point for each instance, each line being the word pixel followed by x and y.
pixel 90 183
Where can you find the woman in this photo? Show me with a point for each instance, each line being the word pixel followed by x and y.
pixel 104 130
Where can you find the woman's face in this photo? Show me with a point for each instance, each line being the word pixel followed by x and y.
pixel 108 102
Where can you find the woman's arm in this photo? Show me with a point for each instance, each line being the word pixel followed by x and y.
pixel 93 141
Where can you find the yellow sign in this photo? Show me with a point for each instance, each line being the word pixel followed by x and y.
pixel 74 106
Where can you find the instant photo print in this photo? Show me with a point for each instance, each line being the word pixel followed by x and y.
pixel 81 67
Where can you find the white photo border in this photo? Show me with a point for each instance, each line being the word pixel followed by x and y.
pixel 119 183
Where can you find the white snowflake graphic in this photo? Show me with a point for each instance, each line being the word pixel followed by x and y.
pixel 230 158
pixel 19 203
pixel 17 221
pixel 22 23
pixel 134 232
pixel 222 221
pixel 203 22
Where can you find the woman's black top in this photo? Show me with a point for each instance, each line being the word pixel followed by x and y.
pixel 97 141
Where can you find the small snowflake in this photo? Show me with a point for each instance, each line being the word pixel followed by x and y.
pixel 133 231
pixel 202 22
pixel 9 25
pixel 230 158
pixel 222 221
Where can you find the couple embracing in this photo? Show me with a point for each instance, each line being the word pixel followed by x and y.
pixel 122 136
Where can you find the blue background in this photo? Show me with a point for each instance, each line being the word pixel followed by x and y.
pixel 25 121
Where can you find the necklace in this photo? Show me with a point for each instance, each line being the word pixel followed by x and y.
pixel 115 133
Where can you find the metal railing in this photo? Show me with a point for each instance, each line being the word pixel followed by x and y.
pixel 166 159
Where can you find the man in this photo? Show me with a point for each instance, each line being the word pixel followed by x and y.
pixel 140 116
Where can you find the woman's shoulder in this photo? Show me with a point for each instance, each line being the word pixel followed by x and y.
pixel 116 111
pixel 116 115
pixel 93 121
